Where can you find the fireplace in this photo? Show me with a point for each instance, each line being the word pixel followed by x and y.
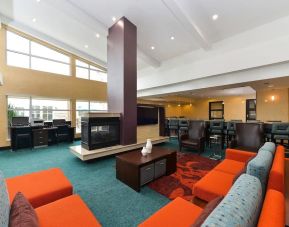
pixel 100 130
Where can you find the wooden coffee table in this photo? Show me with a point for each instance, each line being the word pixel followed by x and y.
pixel 136 170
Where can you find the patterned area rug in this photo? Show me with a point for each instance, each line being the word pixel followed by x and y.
pixel 190 169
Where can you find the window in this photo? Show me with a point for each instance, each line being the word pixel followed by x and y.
pixel 216 110
pixel 87 106
pixel 40 108
pixel 89 72
pixel 24 53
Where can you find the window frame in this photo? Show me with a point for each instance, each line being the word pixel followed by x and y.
pixel 89 68
pixel 217 110
pixel 30 55
pixel 31 109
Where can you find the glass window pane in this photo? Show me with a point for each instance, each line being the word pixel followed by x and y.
pixel 46 104
pixel 79 114
pixel 81 63
pixel 17 43
pixel 18 60
pixel 82 105
pixel 43 51
pixel 50 66
pixel 82 73
pixel 216 114
pixel 18 103
pixel 98 76
pixel 98 106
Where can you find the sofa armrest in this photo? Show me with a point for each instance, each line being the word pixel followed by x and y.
pixel 238 155
pixel 277 173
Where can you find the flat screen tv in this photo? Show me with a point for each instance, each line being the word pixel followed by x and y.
pixel 147 115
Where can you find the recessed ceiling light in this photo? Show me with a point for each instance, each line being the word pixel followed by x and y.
pixel 37 0
pixel 113 19
pixel 85 46
pixel 152 47
pixel 172 37
pixel 215 17
pixel 34 19
pixel 97 35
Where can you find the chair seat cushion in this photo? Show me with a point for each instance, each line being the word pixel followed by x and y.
pixel 190 142
pixel 40 187
pixel 230 166
pixel 212 185
pixel 67 212
pixel 179 212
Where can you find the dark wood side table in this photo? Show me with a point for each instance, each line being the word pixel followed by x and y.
pixel 136 170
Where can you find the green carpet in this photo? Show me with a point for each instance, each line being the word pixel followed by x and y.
pixel 111 201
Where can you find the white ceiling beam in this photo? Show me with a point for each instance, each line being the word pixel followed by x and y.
pixel 79 14
pixel 185 19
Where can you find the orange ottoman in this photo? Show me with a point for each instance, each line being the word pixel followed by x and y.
pixel 40 187
pixel 70 211
pixel 179 212
pixel 214 184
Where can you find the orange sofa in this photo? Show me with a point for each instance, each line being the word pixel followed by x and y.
pixel 209 187
pixel 51 194
pixel 183 213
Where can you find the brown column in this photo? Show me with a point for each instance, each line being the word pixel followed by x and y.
pixel 122 75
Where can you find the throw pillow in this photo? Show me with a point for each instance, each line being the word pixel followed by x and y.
pixel 5 203
pixel 207 210
pixel 22 213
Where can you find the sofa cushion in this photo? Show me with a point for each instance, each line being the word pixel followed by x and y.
pixel 179 212
pixel 230 166
pixel 273 210
pixel 70 211
pixel 269 146
pixel 277 173
pixel 241 206
pixel 40 187
pixel 5 204
pixel 22 213
pixel 260 167
pixel 209 187
pixel 207 210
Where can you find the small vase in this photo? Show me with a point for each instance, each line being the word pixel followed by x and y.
pixel 144 151
pixel 149 146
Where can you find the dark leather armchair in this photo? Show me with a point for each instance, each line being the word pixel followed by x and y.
pixel 249 137
pixel 280 131
pixel 195 138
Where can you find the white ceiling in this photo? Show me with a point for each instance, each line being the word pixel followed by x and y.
pixel 75 23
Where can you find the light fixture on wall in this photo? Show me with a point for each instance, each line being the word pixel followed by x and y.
pixel 179 104
pixel 273 98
